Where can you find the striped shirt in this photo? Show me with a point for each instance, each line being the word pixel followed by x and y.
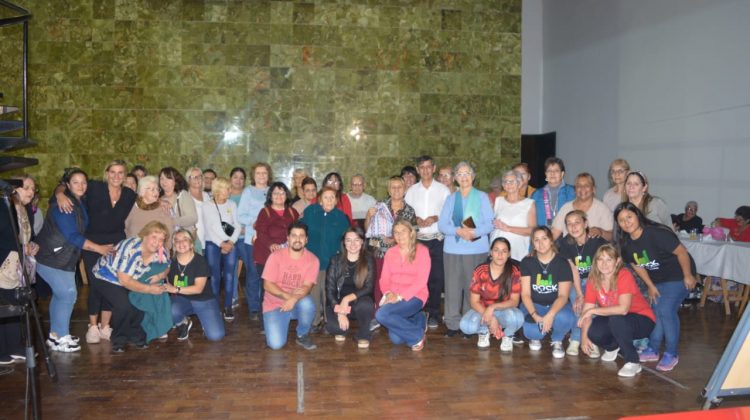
pixel 125 258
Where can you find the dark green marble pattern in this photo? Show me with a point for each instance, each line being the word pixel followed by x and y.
pixel 346 85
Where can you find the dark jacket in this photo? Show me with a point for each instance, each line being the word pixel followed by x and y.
pixel 325 231
pixel 61 239
pixel 336 273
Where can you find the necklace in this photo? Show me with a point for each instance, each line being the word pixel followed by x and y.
pixel 579 251
pixel 544 267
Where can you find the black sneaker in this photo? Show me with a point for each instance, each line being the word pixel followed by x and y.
pixel 6 360
pixel 228 314
pixel 142 346
pixel 118 349
pixel 183 330
pixel 451 333
pixel 518 341
pixel 306 342
pixel 432 323
pixel 374 325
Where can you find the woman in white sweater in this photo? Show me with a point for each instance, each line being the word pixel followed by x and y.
pixel 221 231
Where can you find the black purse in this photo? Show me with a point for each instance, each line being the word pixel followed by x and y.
pixel 226 227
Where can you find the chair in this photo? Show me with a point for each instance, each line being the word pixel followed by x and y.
pixel 739 296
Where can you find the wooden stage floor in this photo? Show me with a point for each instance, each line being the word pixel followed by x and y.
pixel 451 378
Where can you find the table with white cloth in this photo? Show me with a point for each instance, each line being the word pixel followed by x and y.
pixel 726 261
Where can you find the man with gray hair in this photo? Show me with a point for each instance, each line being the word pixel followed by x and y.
pixel 361 202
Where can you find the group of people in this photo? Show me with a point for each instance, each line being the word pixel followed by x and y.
pixel 553 261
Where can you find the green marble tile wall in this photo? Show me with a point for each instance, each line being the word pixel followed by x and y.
pixel 354 86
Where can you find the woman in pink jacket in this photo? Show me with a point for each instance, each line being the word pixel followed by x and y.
pixel 404 286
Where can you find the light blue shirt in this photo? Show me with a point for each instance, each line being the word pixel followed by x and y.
pixel 483 227
pixel 251 203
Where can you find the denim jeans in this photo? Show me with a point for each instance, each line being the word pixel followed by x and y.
pixel 561 325
pixel 667 327
pixel 64 295
pixel 222 267
pixel 207 311
pixel 510 319
pixel 277 322
pixel 404 320
pixel 252 277
pixel 575 332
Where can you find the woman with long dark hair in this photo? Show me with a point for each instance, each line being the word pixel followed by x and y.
pixel 546 279
pixel 349 288
pixel 663 263
pixel 495 293
pixel 174 190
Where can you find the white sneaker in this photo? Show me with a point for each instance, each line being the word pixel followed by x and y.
pixel 93 335
pixel 629 370
pixel 572 349
pixel 63 344
pixel 594 353
pixel 506 344
pixel 610 356
pixel 105 333
pixel 557 350
pixel 535 345
pixel 484 341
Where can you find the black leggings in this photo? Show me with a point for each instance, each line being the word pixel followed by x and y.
pixel 611 332
pixel 126 318
pixel 95 301
pixel 362 310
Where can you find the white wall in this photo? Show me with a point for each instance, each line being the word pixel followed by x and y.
pixel 664 84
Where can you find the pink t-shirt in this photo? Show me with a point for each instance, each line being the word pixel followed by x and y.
pixel 289 274
pixel 408 279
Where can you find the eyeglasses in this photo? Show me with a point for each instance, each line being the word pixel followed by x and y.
pixel 463 175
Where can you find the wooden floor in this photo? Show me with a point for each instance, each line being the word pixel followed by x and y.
pixel 241 378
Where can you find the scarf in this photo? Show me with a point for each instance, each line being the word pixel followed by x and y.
pixel 473 208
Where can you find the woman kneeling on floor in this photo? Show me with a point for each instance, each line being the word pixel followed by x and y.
pixel 187 280
pixel 621 312
pixel 403 282
pixel 546 279
pixel 349 289
pixel 495 293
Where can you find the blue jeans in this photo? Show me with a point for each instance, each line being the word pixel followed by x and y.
pixel 207 311
pixel 404 320
pixel 222 267
pixel 575 332
pixel 510 319
pixel 277 322
pixel 64 295
pixel 561 325
pixel 667 327
pixel 252 277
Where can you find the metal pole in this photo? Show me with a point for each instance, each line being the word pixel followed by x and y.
pixel 300 388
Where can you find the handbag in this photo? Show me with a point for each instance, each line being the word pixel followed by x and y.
pixel 226 227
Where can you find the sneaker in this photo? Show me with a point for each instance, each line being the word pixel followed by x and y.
pixel 484 341
pixel 629 370
pixel 594 353
pixel 573 347
pixel 228 314
pixel 118 349
pixel 141 346
pixel 432 323
pixel 649 355
pixel 451 333
pixel 105 333
pixel 668 362
pixel 306 342
pixel 610 355
pixel 557 350
pixel 420 345
pixel 93 335
pixel 254 316
pixel 517 341
pixel 339 338
pixel 20 358
pixel 535 345
pixel 63 344
pixel 363 344
pixel 6 360
pixel 374 324
pixel 506 344
pixel 640 344
pixel 235 303
pixel 183 329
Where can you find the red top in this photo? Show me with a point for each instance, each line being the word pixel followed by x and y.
pixel 734 230
pixel 625 285
pixel 408 279
pixel 271 228
pixel 488 290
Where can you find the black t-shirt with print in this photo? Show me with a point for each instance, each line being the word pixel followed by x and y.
pixel 653 250
pixel 544 285
pixel 184 276
pixel 582 257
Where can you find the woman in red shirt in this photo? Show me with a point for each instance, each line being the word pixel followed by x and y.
pixel 622 313
pixel 403 282
pixel 738 227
